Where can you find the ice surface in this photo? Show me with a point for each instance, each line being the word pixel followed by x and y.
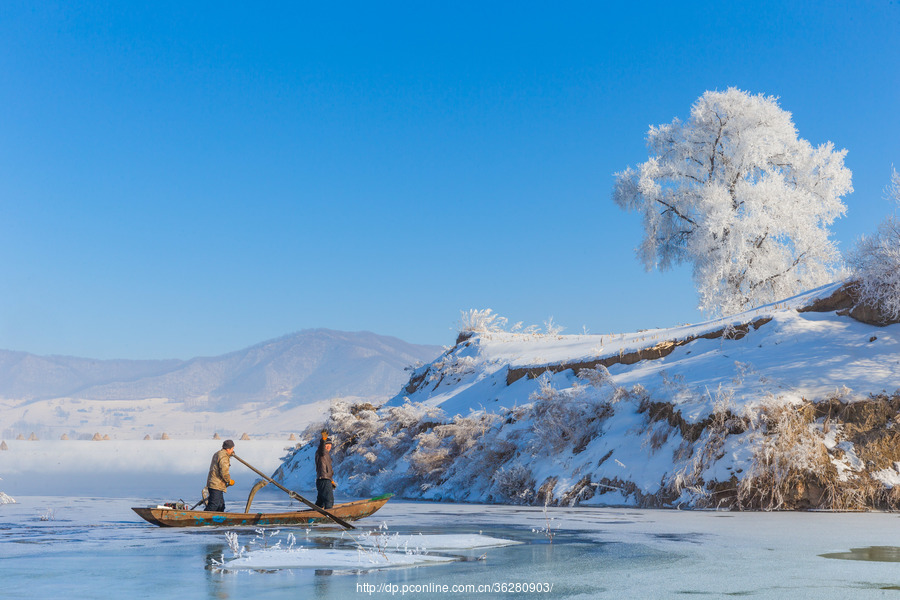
pixel 85 547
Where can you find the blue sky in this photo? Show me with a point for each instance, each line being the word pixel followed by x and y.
pixel 186 179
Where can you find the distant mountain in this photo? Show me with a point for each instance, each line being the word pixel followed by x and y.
pixel 300 368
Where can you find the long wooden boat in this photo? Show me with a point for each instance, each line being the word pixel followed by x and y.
pixel 170 517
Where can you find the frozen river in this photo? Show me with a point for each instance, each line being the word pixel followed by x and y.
pixel 52 547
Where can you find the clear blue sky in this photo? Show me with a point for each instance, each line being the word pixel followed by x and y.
pixel 184 179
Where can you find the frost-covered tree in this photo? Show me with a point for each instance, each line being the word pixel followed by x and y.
pixel 876 263
pixel 735 193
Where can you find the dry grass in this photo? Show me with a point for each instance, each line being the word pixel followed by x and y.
pixel 790 467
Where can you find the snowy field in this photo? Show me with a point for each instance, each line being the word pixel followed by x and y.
pixel 85 547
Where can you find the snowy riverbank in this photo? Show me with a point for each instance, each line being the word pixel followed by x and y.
pixel 779 407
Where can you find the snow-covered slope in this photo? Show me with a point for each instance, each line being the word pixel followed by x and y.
pixel 267 388
pixel 780 406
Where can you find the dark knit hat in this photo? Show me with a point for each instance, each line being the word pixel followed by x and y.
pixel 227 444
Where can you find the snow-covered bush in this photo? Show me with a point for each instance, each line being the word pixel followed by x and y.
pixel 553 329
pixel 515 484
pixel 568 418
pixel 369 441
pixel 735 193
pixel 487 321
pixel 438 448
pixel 876 263
pixel 480 321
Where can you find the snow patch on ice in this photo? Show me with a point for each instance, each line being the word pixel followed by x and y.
pixel 434 541
pixel 369 550
pixel 313 558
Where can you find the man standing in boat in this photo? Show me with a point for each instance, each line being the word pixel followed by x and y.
pixel 219 477
pixel 324 474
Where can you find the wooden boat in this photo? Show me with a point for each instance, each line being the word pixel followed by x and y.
pixel 171 517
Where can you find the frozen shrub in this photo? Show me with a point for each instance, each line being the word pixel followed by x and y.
pixel 553 329
pixel 450 369
pixel 597 377
pixel 638 394
pixel 569 417
pixel 876 264
pixel 431 458
pixel 515 484
pixel 480 321
pixel 442 445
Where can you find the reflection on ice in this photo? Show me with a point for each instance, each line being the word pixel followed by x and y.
pixel 873 553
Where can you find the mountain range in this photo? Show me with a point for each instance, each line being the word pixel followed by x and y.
pixel 299 369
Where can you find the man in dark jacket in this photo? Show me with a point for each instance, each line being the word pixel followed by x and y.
pixel 324 474
pixel 219 478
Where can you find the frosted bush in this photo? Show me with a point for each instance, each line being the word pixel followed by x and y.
pixel 451 368
pixel 480 321
pixel 876 263
pixel 444 444
pixel 569 417
pixel 351 426
pixel 598 377
pixel 515 484
pixel 553 329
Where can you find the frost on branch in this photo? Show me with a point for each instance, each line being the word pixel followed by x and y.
pixel 876 264
pixel 734 192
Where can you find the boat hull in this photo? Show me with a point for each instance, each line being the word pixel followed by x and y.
pixel 170 517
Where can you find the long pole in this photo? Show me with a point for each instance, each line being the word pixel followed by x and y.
pixel 295 495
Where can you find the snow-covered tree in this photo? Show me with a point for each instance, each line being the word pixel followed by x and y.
pixel 735 193
pixel 876 263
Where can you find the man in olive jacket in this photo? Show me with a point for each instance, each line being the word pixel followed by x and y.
pixel 219 478
pixel 324 474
